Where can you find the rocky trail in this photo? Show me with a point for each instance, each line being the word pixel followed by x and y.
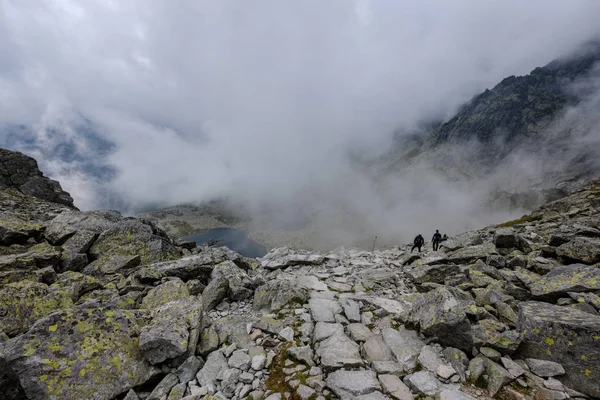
pixel 94 305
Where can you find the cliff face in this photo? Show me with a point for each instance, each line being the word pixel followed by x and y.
pixel 520 106
pixel 21 172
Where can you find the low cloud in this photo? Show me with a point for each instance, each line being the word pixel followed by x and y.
pixel 262 102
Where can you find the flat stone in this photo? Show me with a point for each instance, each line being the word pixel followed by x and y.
pixel 445 371
pixel 544 368
pixel 246 377
pixel 395 388
pixel 512 367
pixel 387 367
pixel 375 349
pixel 323 310
pixel 324 330
pixel 348 384
pixel 423 382
pixel 352 311
pixel 188 370
pixel 359 332
pixel 430 359
pixel 450 394
pixel 339 351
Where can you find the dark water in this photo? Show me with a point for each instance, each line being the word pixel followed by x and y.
pixel 234 239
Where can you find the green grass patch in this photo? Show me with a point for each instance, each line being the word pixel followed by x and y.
pixel 523 220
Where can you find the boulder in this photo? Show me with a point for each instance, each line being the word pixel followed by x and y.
pixel 544 368
pixel 215 363
pixel 424 382
pixel 291 260
pixel 442 314
pixel 350 384
pixel 69 223
pixel 338 351
pixel 580 250
pixel 162 294
pixel 168 334
pixel 395 388
pixel 375 349
pixel 22 304
pixel 240 286
pixel 15 229
pixel 433 273
pixel 197 266
pixel 561 280
pixel 85 352
pixel 131 237
pixel 275 294
pixel 324 310
pixel 215 292
pixel 468 255
pixel 505 238
pixel 405 345
pixel 566 336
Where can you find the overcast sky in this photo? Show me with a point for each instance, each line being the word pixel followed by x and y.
pixel 255 98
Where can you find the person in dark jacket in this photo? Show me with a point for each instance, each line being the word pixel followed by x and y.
pixel 418 243
pixel 437 238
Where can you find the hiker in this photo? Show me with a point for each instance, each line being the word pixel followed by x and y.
pixel 444 238
pixel 418 243
pixel 437 238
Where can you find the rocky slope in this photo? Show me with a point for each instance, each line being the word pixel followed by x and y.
pixel 97 306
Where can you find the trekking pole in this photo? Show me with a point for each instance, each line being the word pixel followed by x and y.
pixel 373 249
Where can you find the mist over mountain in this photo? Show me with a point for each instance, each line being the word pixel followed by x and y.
pixel 338 120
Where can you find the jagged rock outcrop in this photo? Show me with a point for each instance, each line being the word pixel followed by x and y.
pixel 21 172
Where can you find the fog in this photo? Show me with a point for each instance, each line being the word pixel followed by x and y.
pixel 262 102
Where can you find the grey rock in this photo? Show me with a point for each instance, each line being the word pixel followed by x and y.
pixel 215 292
pixel 167 335
pixel 458 360
pixel 490 353
pixel 323 310
pixel 258 362
pixel 375 349
pixel 433 273
pixel 450 394
pixel 246 377
pixel 359 332
pixel 561 280
pixel 348 384
pixel 579 250
pixel 302 354
pixel 339 351
pixel 275 294
pixel 372 396
pixel 566 336
pixel 324 330
pixel 352 311
pixel 274 396
pixel 497 377
pixel 209 341
pixel 188 370
pixel 164 293
pixel 305 392
pixel 291 260
pixel 115 336
pixel 215 363
pixel 131 395
pixel 177 392
pixel 239 284
pixel 430 359
pixel 405 345
pixel 442 313
pixel 395 388
pixel 470 254
pixel 423 382
pixel 240 360
pixel 544 368
pixel 387 367
pixel 229 381
pixel 287 334
pixel 163 389
pixel 512 367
